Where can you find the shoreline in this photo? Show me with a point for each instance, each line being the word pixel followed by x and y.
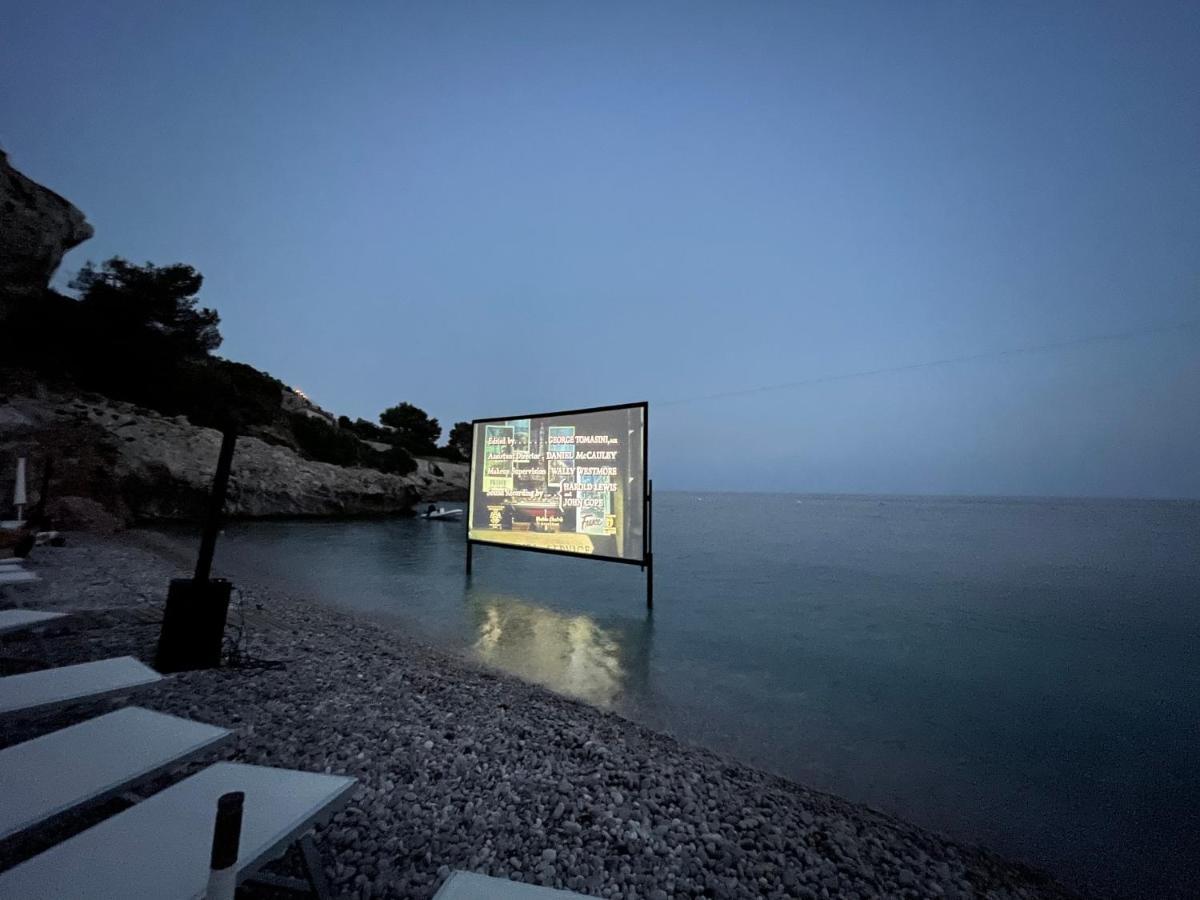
pixel 464 767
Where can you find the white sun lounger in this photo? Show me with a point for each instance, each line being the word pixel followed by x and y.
pixel 94 760
pixel 20 576
pixel 42 690
pixel 159 849
pixel 472 886
pixel 17 619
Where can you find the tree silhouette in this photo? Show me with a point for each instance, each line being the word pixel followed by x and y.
pixel 460 438
pixel 149 310
pixel 414 429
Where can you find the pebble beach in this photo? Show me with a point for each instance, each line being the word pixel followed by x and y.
pixel 460 767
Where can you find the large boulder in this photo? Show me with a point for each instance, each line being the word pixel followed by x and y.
pixel 81 514
pixel 37 227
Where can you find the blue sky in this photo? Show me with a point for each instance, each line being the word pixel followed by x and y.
pixel 488 209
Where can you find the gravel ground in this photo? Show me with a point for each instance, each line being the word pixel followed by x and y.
pixel 463 768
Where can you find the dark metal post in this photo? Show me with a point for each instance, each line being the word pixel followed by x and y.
pixel 470 492
pixel 227 836
pixel 216 504
pixel 193 625
pixel 649 544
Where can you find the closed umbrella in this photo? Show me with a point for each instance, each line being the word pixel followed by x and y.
pixel 19 490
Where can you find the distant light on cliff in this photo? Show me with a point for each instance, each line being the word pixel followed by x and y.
pixel 299 393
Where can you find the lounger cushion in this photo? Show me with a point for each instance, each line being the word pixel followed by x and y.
pixel 94 760
pixel 41 690
pixel 159 849
pixel 471 886
pixel 20 576
pixel 16 619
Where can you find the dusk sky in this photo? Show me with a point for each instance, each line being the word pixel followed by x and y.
pixel 492 208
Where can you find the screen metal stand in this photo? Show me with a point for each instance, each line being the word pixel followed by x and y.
pixel 649 554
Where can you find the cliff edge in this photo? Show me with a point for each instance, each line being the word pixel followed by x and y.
pixel 115 462
pixel 139 465
pixel 37 227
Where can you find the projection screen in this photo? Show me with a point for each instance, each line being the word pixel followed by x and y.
pixel 568 482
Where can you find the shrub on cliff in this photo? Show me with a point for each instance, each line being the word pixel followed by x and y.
pixel 414 429
pixel 460 439
pixel 395 460
pixel 368 431
pixel 147 309
pixel 137 333
pixel 213 392
pixel 324 442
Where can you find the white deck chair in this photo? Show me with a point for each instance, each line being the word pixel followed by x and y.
pixel 472 886
pixel 20 576
pixel 94 760
pixel 159 849
pixel 49 688
pixel 17 619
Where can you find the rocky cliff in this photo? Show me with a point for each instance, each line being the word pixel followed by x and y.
pixel 37 227
pixel 437 479
pixel 114 462
pixel 138 465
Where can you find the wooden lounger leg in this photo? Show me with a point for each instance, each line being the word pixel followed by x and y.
pixel 299 885
pixel 314 881
pixel 315 871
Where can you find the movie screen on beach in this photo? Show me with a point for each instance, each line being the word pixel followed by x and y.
pixel 570 482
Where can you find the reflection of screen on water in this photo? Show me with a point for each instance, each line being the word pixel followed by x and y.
pixel 566 482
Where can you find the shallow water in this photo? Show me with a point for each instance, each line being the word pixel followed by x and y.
pixel 1020 673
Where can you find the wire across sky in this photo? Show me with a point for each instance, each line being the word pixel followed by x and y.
pixel 1111 337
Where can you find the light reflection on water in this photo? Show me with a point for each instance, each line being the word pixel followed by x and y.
pixel 588 638
pixel 569 653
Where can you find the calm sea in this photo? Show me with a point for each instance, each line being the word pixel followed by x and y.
pixel 1022 673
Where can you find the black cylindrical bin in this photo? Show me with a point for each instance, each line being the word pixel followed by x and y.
pixel 193 627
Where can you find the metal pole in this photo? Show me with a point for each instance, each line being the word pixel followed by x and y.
pixel 227 835
pixel 216 504
pixel 470 545
pixel 19 491
pixel 649 544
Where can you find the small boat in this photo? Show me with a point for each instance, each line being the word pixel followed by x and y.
pixel 441 513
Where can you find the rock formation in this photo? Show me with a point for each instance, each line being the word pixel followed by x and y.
pixel 37 227
pixel 437 479
pixel 140 466
pixel 118 463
